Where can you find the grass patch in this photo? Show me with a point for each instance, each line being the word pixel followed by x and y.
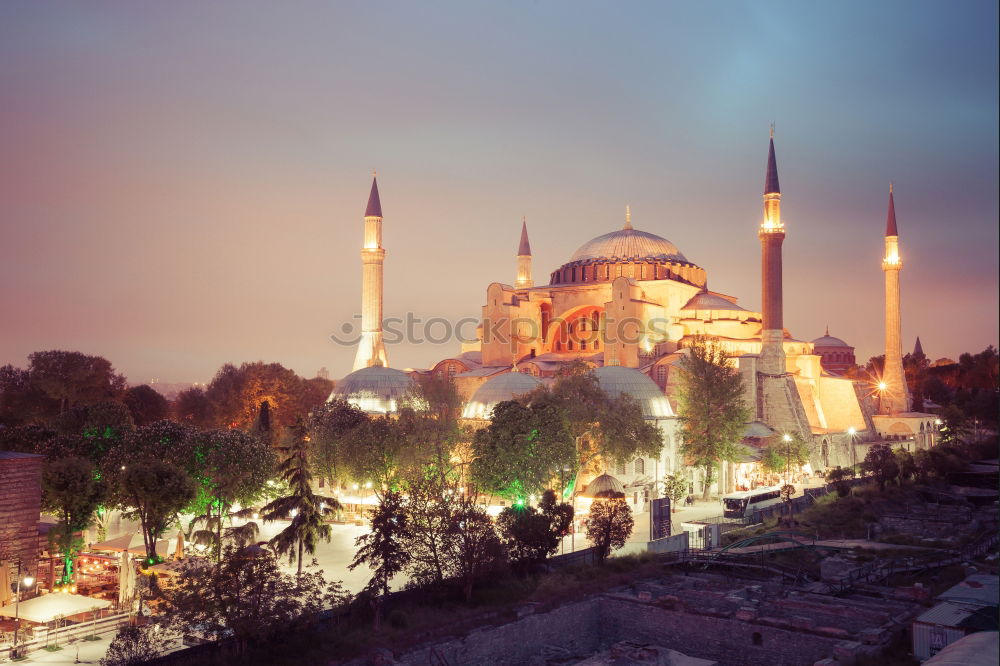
pixel 52 648
pixel 92 637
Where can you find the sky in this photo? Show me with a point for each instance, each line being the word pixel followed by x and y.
pixel 182 184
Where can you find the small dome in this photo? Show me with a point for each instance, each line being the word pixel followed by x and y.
pixel 604 486
pixel 628 244
pixel 829 341
pixel 615 380
pixel 376 389
pixel 497 389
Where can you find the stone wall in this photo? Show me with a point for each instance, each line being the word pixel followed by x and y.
pixel 729 641
pixel 577 630
pixel 20 505
pixel 570 630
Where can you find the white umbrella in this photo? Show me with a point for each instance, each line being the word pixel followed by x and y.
pixel 122 543
pixel 126 581
pixel 51 606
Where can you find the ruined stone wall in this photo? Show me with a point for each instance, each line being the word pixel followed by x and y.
pixel 568 630
pixel 730 642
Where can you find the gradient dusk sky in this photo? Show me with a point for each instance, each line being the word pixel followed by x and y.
pixel 183 183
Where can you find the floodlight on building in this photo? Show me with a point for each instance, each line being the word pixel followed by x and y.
pixel 882 386
pixel 786 437
pixel 852 431
pixel 28 581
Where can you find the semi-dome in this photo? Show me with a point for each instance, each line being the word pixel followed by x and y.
pixel 616 380
pixel 375 389
pixel 604 486
pixel 498 389
pixel 628 244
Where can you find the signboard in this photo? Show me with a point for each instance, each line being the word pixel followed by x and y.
pixel 659 518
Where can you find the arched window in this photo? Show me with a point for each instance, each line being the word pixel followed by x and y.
pixel 620 469
pixel 661 375
pixel 640 466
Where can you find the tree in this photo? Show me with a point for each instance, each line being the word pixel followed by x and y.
pixel 522 449
pixel 379 454
pixel 602 427
pixel 954 426
pixel 675 487
pixel 72 378
pixel 236 394
pixel 262 427
pixel 787 493
pixel 72 492
pixel 145 404
pixel 247 597
pixel 530 535
pixel 609 526
pixel 474 548
pixel 331 427
pixel 430 506
pixel 132 646
pixel 905 463
pixel 306 509
pixel 880 462
pixel 382 548
pixel 192 407
pixel 841 477
pixel 156 492
pixel 21 401
pixel 711 408
pixel 232 466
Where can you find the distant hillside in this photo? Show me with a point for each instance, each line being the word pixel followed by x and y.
pixel 169 390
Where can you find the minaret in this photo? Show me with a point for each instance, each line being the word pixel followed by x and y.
pixel 371 348
pixel 524 260
pixel 894 398
pixel 772 235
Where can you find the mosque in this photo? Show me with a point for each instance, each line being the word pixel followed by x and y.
pixel 628 303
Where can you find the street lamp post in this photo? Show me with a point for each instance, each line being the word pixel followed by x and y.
pixel 28 581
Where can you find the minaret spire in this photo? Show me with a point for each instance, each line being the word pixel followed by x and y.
pixel 524 280
pixel 772 235
pixel 895 398
pixel 890 218
pixel 371 347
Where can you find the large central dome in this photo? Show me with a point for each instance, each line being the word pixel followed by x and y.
pixel 628 244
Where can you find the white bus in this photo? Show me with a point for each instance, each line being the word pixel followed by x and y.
pixel 742 504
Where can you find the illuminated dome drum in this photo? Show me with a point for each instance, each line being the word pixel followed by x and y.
pixel 629 252
pixel 616 380
pixel 376 389
pixel 498 389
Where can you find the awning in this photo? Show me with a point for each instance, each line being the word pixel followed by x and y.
pixel 119 544
pixel 48 607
